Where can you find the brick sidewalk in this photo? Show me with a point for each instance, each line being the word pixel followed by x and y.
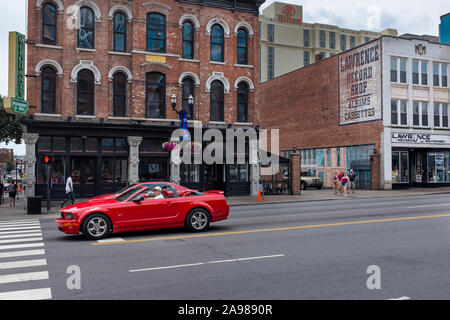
pixel 19 212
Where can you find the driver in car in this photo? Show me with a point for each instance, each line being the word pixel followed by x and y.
pixel 155 194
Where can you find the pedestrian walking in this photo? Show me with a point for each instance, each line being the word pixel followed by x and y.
pixel 70 195
pixel 335 183
pixel 12 191
pixel 353 178
pixel 1 192
pixel 345 183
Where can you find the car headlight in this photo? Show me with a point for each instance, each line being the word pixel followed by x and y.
pixel 70 216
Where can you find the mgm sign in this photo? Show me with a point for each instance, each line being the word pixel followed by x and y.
pixel 15 102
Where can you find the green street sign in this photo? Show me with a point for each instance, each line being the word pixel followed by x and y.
pixel 15 103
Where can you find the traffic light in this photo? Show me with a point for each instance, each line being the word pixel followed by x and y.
pixel 49 159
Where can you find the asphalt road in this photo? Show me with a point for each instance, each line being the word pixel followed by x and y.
pixel 313 250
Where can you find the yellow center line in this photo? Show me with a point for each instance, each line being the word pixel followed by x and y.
pixel 204 235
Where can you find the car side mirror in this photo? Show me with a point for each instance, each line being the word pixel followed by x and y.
pixel 138 198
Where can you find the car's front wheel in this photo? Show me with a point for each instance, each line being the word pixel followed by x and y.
pixel 96 227
pixel 198 220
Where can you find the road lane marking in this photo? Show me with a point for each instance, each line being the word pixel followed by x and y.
pixel 204 235
pixel 34 294
pixel 24 253
pixel 431 205
pixel 18 246
pixel 23 264
pixel 205 263
pixel 19 231
pixel 18 221
pixel 21 277
pixel 21 224
pixel 401 298
pixel 19 228
pixel 22 240
pixel 378 203
pixel 110 240
pixel 25 235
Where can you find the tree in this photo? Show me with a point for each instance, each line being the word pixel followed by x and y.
pixel 9 166
pixel 10 128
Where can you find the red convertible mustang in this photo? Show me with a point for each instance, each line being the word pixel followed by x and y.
pixel 136 208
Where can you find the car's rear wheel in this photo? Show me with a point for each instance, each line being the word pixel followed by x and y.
pixel 96 227
pixel 198 220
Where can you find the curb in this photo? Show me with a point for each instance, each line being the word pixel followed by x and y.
pixel 329 199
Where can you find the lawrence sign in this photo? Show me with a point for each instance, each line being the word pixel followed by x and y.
pixel 360 84
pixel 15 102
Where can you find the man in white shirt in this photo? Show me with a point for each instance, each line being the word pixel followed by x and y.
pixel 69 191
pixel 156 194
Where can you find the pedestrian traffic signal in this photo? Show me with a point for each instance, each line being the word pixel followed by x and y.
pixel 48 159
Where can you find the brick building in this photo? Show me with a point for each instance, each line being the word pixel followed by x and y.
pixel 6 155
pixel 100 76
pixel 380 109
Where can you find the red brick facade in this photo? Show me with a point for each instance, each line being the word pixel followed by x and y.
pixel 66 55
pixel 304 106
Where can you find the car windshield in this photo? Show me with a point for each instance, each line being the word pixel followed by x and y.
pixel 307 174
pixel 124 189
pixel 129 193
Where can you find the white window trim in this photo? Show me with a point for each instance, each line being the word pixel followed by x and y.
pixel 220 22
pixel 119 8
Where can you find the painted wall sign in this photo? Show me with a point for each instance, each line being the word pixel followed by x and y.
pixel 15 102
pixel 419 138
pixel 360 84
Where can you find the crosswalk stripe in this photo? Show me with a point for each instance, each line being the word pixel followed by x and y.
pixel 23 253
pixel 17 246
pixel 19 231
pixel 20 228
pixel 23 264
pixel 25 235
pixel 20 277
pixel 18 224
pixel 34 294
pixel 18 221
pixel 21 240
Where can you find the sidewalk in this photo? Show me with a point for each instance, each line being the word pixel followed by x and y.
pixel 328 194
pixel 19 213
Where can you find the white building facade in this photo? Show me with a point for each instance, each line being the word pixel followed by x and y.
pixel 415 144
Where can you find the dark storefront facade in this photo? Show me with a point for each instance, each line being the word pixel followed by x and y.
pixel 99 156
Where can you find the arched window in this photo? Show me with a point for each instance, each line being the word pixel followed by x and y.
pixel 217 101
pixel 217 43
pixel 49 17
pixel 156 95
pixel 119 95
pixel 242 102
pixel 120 32
pixel 85 92
pixel 188 40
pixel 242 47
pixel 86 33
pixel 156 32
pixel 188 89
pixel 48 90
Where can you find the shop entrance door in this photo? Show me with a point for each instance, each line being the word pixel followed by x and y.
pixel 84 178
pixel 214 177
pixel 400 167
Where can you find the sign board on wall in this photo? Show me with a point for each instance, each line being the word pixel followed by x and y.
pixel 360 84
pixel 15 102
pixel 419 138
pixel 287 13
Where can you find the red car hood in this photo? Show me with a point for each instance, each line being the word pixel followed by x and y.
pixel 88 204
pixel 102 197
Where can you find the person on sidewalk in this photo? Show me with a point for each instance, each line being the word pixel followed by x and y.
pixel 353 177
pixel 345 183
pixel 1 192
pixel 12 190
pixel 69 191
pixel 335 183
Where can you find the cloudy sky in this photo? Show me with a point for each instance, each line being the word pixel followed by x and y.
pixel 407 16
